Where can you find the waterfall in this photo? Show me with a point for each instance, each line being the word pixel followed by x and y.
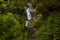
pixel 28 14
pixel 31 30
pixel 28 17
pixel 29 10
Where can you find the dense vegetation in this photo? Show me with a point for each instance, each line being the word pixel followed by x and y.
pixel 12 19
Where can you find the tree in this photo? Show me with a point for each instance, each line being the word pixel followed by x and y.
pixel 10 28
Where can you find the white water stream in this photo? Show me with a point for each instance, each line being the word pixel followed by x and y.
pixel 28 14
pixel 28 10
pixel 28 17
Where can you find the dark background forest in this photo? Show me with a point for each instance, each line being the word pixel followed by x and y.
pixel 12 19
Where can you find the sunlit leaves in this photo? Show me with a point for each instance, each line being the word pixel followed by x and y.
pixel 9 27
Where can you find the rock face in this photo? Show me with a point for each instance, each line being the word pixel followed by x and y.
pixel 28 0
pixel 31 32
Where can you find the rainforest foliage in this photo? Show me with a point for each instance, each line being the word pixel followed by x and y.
pixel 13 17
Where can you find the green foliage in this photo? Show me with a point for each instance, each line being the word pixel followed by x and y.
pixel 50 29
pixel 10 28
pixel 38 21
pixel 12 22
pixel 48 25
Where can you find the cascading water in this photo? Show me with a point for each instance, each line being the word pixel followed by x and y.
pixel 31 31
pixel 28 10
pixel 28 14
pixel 28 17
